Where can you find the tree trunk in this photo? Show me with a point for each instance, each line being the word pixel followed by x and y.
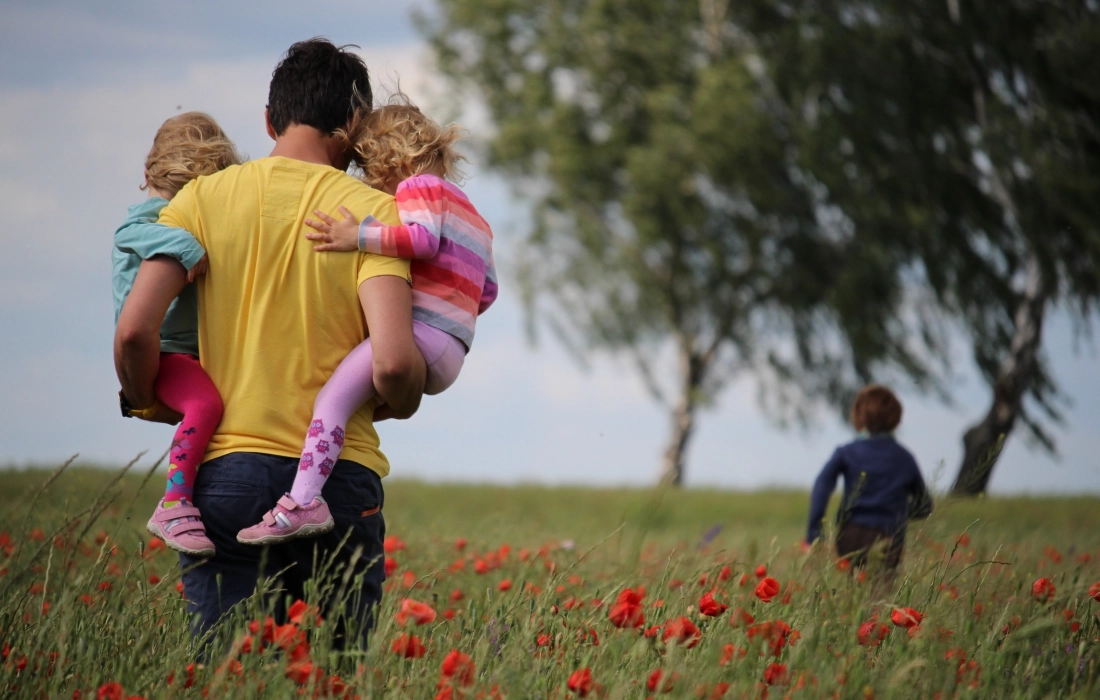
pixel 983 441
pixel 692 371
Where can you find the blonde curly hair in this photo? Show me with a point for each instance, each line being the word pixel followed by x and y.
pixel 187 146
pixel 397 141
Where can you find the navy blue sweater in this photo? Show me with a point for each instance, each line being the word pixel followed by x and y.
pixel 883 487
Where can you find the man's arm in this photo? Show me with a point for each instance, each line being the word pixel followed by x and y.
pixel 398 365
pixel 137 336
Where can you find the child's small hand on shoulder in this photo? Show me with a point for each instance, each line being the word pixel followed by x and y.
pixel 335 235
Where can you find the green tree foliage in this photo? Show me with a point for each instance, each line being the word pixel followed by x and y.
pixel 795 189
pixel 965 135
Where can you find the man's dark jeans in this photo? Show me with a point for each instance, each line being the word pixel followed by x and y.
pixel 235 490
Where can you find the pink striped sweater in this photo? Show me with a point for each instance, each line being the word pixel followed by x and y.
pixel 451 248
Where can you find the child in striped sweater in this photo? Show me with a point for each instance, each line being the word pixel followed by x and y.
pixel 406 154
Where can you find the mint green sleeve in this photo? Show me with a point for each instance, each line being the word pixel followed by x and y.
pixel 146 239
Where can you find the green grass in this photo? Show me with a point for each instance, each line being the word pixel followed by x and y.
pixel 115 615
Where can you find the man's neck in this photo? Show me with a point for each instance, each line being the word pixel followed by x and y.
pixel 305 143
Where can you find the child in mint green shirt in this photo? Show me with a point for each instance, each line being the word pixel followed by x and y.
pixel 186 147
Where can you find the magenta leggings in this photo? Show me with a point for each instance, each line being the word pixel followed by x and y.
pixel 351 386
pixel 184 386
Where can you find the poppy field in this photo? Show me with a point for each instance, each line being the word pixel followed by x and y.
pixel 562 593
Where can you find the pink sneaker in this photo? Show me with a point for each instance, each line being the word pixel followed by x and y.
pixel 181 529
pixel 288 520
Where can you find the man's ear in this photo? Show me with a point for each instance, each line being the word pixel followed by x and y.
pixel 267 123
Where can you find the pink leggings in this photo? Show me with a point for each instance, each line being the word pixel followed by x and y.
pixel 184 386
pixel 351 386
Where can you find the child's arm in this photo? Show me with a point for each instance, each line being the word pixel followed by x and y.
pixel 819 498
pixel 920 500
pixel 489 291
pixel 146 239
pixel 410 241
pixel 420 206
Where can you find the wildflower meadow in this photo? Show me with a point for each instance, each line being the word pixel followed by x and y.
pixel 530 592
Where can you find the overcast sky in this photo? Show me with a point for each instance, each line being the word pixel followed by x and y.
pixel 83 88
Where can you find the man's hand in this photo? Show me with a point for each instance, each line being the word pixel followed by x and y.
pixel 157 413
pixel 398 365
pixel 335 235
pixel 200 268
pixel 137 337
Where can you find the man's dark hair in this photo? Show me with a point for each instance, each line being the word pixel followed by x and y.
pixel 317 84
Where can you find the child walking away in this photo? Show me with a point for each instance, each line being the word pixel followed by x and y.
pixel 883 488
pixel 185 147
pixel 406 154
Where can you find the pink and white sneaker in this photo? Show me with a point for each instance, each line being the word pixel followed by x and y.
pixel 181 529
pixel 288 520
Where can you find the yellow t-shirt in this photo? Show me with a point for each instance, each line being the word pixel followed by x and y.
pixel 275 316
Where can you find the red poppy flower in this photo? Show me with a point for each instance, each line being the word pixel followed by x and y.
pixel 767 589
pixel 393 544
pixel 460 543
pixel 457 668
pixel 711 607
pixel 728 652
pixel 741 618
pixel 1043 589
pixel 421 613
pixel 408 646
pixel 505 585
pixel 627 610
pixel 906 617
pixel 389 565
pixel 843 565
pixel 683 631
pixel 588 636
pixel 287 636
pixel 299 611
pixel 580 682
pixel 302 671
pixel 761 571
pixel 1094 591
pixel 872 632
pixel 658 682
pixel 775 632
pixel 109 691
pixel 776 674
pixel 725 573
